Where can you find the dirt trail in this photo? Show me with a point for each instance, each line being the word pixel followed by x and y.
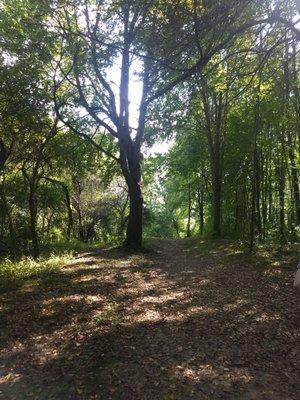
pixel 195 320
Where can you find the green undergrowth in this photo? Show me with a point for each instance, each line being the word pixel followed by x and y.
pixel 264 254
pixel 14 273
pixel 74 246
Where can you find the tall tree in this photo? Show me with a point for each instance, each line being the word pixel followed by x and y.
pixel 166 43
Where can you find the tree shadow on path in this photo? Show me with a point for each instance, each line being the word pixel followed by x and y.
pixel 191 321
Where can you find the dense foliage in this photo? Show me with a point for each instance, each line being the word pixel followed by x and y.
pixel 92 90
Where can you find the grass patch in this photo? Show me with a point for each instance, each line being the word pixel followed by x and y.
pixel 63 247
pixel 109 315
pixel 14 273
pixel 236 252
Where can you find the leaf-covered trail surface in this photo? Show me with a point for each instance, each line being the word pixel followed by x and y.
pixel 195 320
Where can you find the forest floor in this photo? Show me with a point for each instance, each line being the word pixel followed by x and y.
pixel 191 320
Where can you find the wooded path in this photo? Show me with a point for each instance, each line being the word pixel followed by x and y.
pixel 192 320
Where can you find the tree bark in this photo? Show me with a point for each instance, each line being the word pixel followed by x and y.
pixel 131 156
pixel 134 226
pixel 69 210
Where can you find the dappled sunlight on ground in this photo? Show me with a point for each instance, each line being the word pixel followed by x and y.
pixel 193 320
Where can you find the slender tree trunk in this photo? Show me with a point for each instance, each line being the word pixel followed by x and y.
pixel 245 216
pixel 258 196
pixel 236 211
pixel 254 178
pixel 33 221
pixel 252 220
pixel 176 226
pixel 292 146
pixel 213 116
pixel 217 185
pixel 200 197
pixel 270 195
pixel 188 229
pixel 297 101
pixel 69 210
pixel 14 245
pixel 281 179
pixel 32 205
pixel 281 176
pixel 265 197
pixel 4 153
pixel 80 226
pixel 294 179
pixel 67 203
pixel 77 201
pixel 49 221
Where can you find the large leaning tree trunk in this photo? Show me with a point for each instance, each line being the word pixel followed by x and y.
pixel 165 43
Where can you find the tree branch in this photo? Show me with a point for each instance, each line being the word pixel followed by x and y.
pixel 86 105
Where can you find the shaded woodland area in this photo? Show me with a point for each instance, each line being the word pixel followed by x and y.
pixel 168 133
